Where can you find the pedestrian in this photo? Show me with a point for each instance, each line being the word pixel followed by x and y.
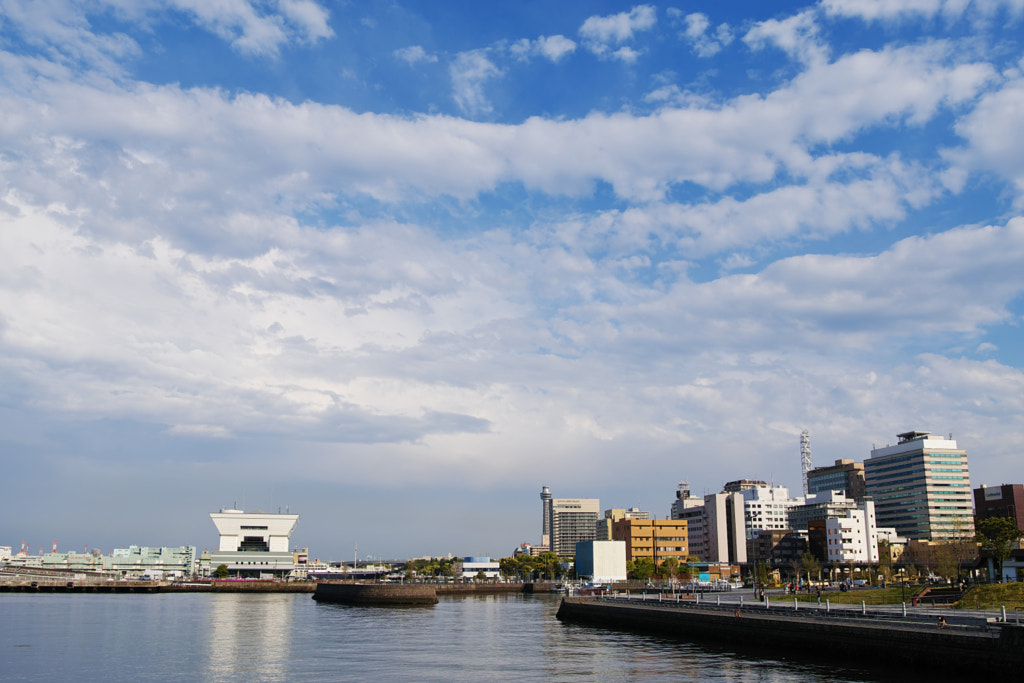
pixel 942 622
pixel 819 596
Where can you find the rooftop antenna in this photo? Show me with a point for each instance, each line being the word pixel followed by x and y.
pixel 805 457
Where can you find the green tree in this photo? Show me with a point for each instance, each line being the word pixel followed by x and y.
pixel 640 569
pixel 669 568
pixel 810 564
pixel 997 536
pixel 221 572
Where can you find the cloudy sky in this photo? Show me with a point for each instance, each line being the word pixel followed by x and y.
pixel 396 265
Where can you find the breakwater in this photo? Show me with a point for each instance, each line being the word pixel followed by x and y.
pixel 971 645
pixel 375 593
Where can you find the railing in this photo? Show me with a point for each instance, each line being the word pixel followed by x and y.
pixel 902 614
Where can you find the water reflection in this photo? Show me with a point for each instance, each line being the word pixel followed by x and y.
pixel 249 636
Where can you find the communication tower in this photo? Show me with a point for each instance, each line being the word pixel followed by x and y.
pixel 805 457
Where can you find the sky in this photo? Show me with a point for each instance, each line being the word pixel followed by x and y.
pixel 394 266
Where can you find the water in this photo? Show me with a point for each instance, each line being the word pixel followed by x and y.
pixel 284 637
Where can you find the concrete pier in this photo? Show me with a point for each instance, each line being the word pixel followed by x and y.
pixel 843 636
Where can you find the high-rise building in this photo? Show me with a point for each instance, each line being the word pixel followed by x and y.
pixel 767 507
pixel 571 520
pixel 658 539
pixel 684 500
pixel 921 487
pixel 1000 501
pixel 691 508
pixel 743 485
pixel 846 476
pixel 724 528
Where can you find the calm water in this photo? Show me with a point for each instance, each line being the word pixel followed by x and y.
pixel 275 637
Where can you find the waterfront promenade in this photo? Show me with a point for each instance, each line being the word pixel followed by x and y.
pixel 970 641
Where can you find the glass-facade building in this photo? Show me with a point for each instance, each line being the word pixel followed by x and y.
pixel 921 486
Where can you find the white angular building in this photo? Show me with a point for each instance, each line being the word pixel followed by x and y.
pixel 854 538
pixel 254 544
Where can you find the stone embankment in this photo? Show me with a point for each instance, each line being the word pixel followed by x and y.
pixel 976 646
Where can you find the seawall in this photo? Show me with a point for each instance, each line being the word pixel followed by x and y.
pixel 996 648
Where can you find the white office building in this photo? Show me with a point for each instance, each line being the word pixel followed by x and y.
pixel 473 567
pixel 767 507
pixel 854 537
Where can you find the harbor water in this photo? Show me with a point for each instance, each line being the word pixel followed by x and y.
pixel 285 637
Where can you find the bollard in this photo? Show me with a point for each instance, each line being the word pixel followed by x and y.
pixel 796 602
pixel 659 596
pixel 1004 614
pixel 863 608
pixel 904 609
pixel 741 604
pixel 718 601
pixel 828 606
pixel 697 601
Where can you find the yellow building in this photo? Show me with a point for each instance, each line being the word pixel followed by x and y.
pixel 658 539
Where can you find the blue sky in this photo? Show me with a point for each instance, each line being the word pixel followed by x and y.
pixel 396 265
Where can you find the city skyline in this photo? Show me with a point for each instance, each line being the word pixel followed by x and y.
pixel 396 265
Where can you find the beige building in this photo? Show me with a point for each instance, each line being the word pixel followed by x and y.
pixel 604 526
pixel 658 539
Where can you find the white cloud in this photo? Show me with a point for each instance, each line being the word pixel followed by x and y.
pixel 253 29
pixel 896 10
pixel 414 54
pixel 554 48
pixel 470 71
pixel 601 33
pixel 797 36
pixel 308 17
pixel 705 44
pixel 994 136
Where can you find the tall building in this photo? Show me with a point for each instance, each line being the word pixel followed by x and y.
pixel 254 544
pixel 743 485
pixel 684 500
pixel 921 487
pixel 767 507
pixel 571 520
pixel 846 476
pixel 658 539
pixel 724 528
pixel 691 508
pixel 1000 501
pixel 604 526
